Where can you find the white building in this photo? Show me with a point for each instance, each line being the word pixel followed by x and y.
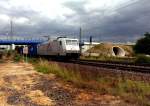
pixel 87 45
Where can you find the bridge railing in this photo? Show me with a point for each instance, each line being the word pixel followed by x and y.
pixel 22 39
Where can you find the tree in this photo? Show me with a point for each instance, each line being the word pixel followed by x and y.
pixel 143 45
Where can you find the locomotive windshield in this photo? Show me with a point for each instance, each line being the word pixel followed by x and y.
pixel 71 42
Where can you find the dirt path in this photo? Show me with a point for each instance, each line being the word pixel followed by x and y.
pixel 21 85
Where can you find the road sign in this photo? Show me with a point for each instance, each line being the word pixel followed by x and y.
pixel 25 50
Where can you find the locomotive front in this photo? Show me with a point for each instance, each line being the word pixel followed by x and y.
pixel 71 47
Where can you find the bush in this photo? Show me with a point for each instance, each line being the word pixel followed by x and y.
pixel 17 58
pixel 143 45
pixel 142 59
pixel 33 60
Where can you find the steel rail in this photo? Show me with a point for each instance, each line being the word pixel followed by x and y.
pixel 124 67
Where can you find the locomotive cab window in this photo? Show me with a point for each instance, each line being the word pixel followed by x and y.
pixel 60 42
pixel 71 42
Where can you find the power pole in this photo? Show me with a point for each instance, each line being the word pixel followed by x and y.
pixel 80 40
pixel 11 33
pixel 91 38
pixel 11 28
pixel 80 35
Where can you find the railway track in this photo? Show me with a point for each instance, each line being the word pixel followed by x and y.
pixel 120 62
pixel 117 66
pixel 123 66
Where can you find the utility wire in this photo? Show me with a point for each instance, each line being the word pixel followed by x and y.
pixel 128 4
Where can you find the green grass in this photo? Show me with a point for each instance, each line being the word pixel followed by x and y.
pixel 135 92
pixel 142 59
pixel 68 75
pixel 109 58
pixel 17 58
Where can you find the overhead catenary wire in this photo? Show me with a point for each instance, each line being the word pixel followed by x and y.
pixel 112 12
pixel 128 4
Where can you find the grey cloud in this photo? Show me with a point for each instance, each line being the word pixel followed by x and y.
pixel 42 25
pixel 126 24
pixel 77 6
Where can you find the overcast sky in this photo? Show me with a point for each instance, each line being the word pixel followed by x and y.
pixel 105 20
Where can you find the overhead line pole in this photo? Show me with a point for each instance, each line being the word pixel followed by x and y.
pixel 11 32
pixel 80 40
pixel 11 28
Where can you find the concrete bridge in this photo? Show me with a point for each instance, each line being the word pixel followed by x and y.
pixel 20 42
pixel 10 43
